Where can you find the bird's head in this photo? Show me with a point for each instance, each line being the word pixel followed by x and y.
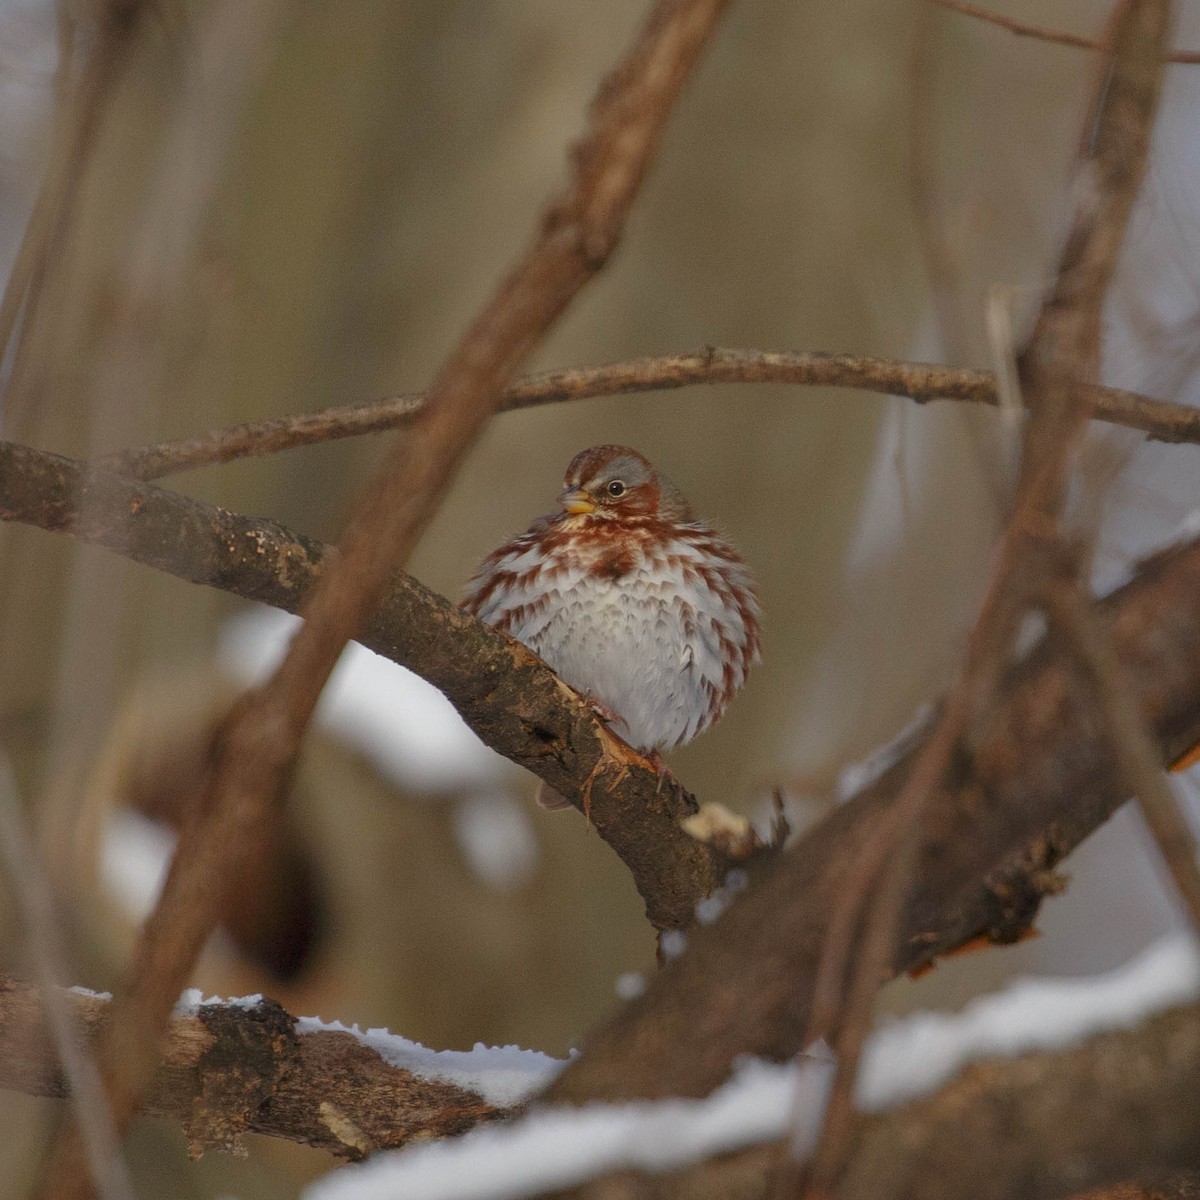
pixel 616 482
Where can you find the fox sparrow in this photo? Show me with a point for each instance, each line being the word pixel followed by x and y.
pixel 646 611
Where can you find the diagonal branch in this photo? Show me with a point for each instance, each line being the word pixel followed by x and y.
pixel 922 382
pixel 253 751
pixel 1062 353
pixel 516 704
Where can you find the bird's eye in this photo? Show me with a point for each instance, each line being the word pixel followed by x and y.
pixel 616 488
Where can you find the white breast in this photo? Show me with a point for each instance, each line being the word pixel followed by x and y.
pixel 652 646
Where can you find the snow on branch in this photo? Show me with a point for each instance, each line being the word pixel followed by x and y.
pixel 1035 1035
pixel 247 1066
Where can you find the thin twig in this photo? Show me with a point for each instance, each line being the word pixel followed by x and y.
pixel 35 907
pixel 1041 33
pixel 1138 763
pixel 254 751
pixel 922 382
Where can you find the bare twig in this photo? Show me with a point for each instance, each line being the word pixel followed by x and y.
pixel 35 906
pixel 922 382
pixel 254 750
pixel 230 1069
pixel 1134 750
pixel 1041 33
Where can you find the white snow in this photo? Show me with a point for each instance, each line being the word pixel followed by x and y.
pixel 857 776
pixel 502 1075
pixel 89 993
pixel 916 1055
pixel 558 1148
pixel 402 725
pixel 135 853
pixel 713 906
pixel 629 985
pixel 192 999
pixel 496 837
pixel 672 943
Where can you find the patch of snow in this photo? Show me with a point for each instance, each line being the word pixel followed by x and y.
pixel 672 943
pixel 916 1055
pixel 860 775
pixel 502 1075
pixel 497 839
pixel 89 993
pixel 553 1148
pixel 135 853
pixel 630 985
pixel 712 907
pixel 402 725
pixel 192 1000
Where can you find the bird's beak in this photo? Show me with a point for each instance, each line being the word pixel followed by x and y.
pixel 577 502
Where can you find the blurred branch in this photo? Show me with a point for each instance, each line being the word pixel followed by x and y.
pixel 35 908
pixel 231 1069
pixel 922 382
pixel 81 110
pixel 1038 778
pixel 1118 1108
pixel 1042 34
pixel 516 704
pixel 1063 351
pixel 253 751
pixel 1135 751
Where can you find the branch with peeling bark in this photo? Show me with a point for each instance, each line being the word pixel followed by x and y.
pixel 232 1069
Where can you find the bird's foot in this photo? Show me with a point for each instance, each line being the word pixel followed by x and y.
pixel 664 773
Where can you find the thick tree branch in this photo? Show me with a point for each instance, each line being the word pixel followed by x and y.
pixel 1062 354
pixel 922 382
pixel 1039 777
pixel 515 703
pixel 232 1069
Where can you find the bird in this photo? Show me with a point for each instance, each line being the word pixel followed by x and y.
pixel 647 612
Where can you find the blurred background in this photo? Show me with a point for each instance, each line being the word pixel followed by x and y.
pixel 291 205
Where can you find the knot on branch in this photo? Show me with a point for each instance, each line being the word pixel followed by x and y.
pixel 249 1052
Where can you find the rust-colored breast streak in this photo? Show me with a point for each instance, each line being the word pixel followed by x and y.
pixel 615 563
